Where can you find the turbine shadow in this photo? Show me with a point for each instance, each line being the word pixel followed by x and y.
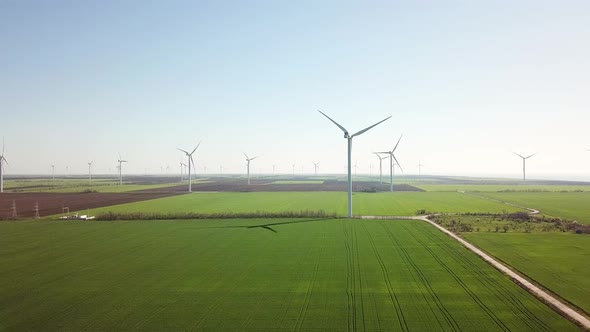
pixel 268 226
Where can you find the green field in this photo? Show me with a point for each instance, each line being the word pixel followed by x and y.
pixel 397 203
pixel 558 261
pixel 500 187
pixel 569 205
pixel 237 275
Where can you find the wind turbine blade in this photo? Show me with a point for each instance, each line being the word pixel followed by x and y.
pixel 518 155
pixel 400 166
pixel 531 155
pixel 336 123
pixel 254 158
pixel 195 149
pixel 246 156
pixel 193 162
pixel 384 152
pixel 183 151
pixel 364 130
pixel 395 147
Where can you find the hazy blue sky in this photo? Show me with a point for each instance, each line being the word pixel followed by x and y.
pixel 467 83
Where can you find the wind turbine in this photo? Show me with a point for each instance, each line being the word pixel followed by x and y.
pixel 190 161
pixel 380 166
pixel 355 168
pixel 248 160
pixel 181 171
pixel 273 169
pixel 2 161
pixel 293 168
pixel 420 168
pixel 349 139
pixel 121 161
pixel 220 169
pixel 315 168
pixel 391 159
pixel 90 173
pixel 524 164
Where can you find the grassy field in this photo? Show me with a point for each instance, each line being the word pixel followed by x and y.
pixel 500 187
pixel 239 275
pixel 556 260
pixel 397 203
pixel 570 205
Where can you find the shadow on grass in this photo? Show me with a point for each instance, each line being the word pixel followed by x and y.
pixel 268 226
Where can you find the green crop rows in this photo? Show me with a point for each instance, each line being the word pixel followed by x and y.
pixel 327 274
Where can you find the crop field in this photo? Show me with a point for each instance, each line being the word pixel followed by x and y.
pixel 570 205
pixel 397 203
pixel 501 187
pixel 271 274
pixel 83 185
pixel 555 260
pixel 298 182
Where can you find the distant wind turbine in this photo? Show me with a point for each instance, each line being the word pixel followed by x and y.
pixel 52 172
pixel 121 161
pixel 248 160
pixel 349 139
pixel 380 166
pixel 524 164
pixel 90 173
pixel 293 169
pixel 316 166
pixel 355 168
pixel 220 169
pixel 391 159
pixel 273 169
pixel 181 171
pixel 420 168
pixel 190 162
pixel 2 161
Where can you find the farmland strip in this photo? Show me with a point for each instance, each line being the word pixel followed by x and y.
pixel 485 278
pixel 390 288
pixel 446 314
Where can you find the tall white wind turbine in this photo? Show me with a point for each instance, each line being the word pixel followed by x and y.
pixel 316 166
pixel 420 168
pixel 349 139
pixel 52 172
pixel 190 162
pixel 391 159
pixel 121 161
pixel 380 166
pixel 2 162
pixel 524 164
pixel 248 160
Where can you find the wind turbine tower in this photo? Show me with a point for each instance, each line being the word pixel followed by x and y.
pixel 248 160
pixel 380 166
pixel 190 161
pixel 391 159
pixel 524 164
pixel 349 140
pixel 2 161
pixel 316 166
pixel 121 161
pixel 293 169
pixel 52 172
pixel 420 168
pixel 90 173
